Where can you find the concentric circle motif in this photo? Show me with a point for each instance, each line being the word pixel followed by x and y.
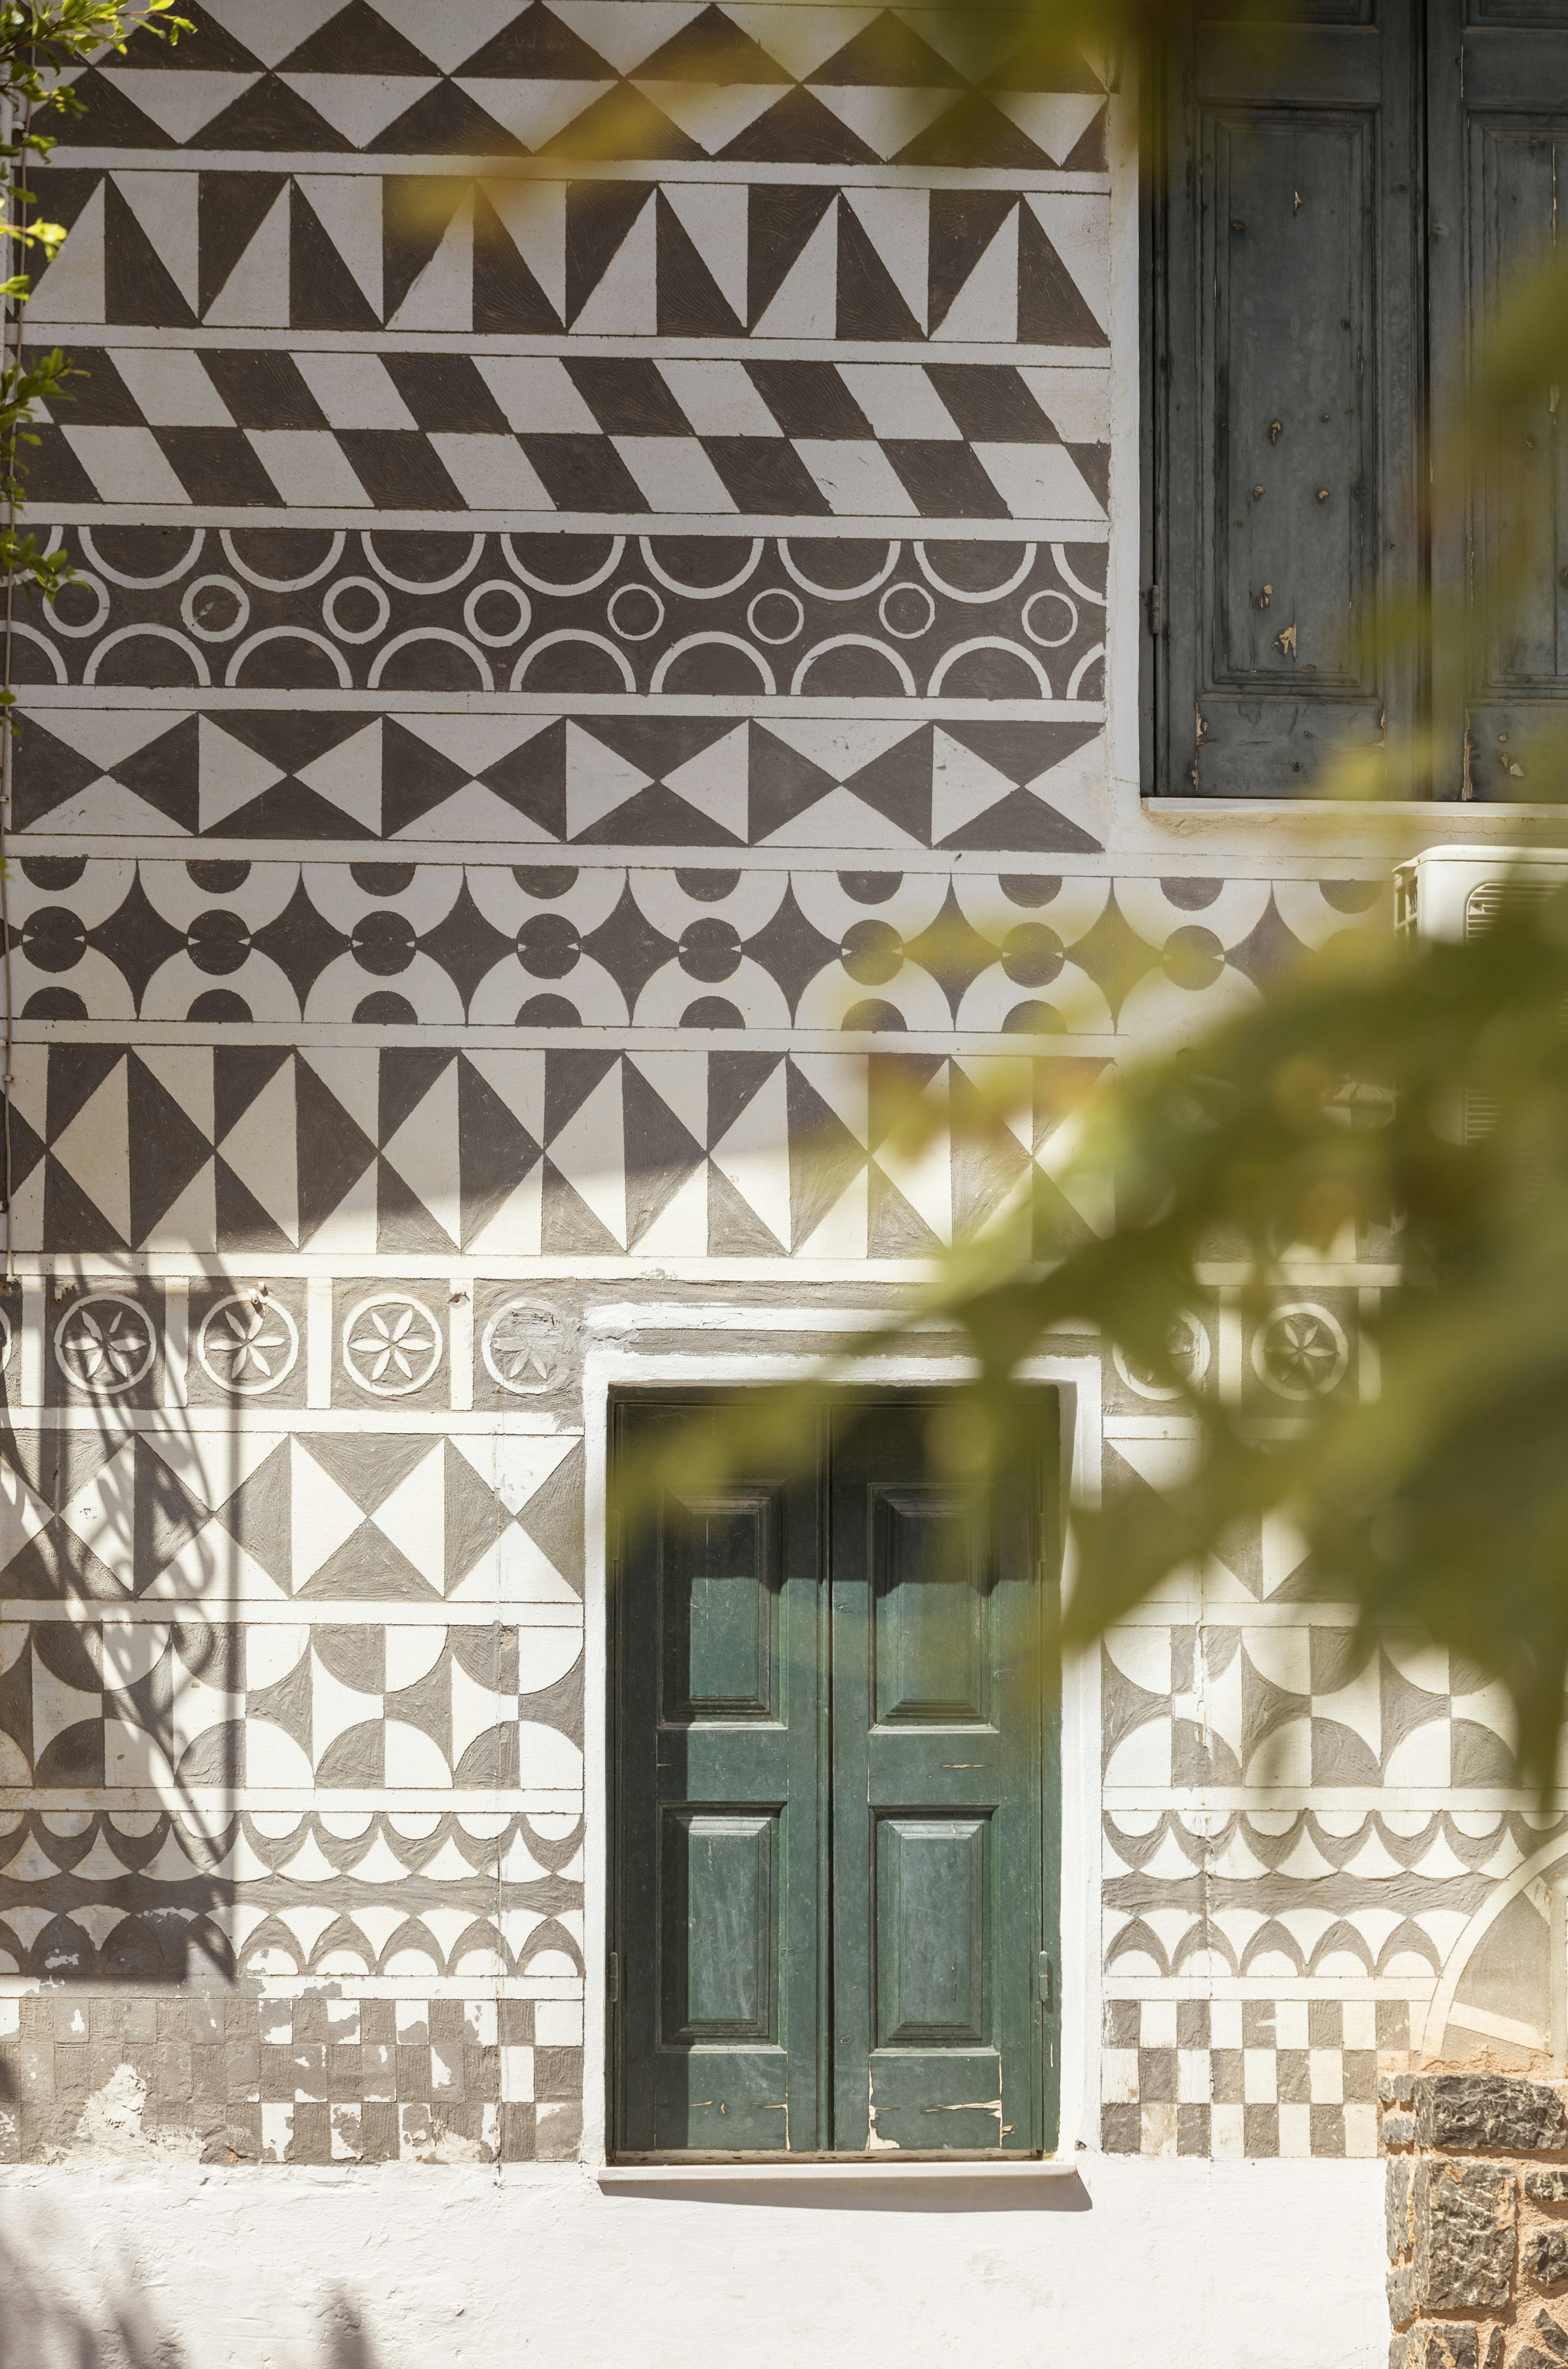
pixel 522 1348
pixel 1189 1346
pixel 633 632
pixel 523 611
pixel 1300 1351
pixel 105 1343
pixel 355 632
pixel 193 594
pixel 95 585
pixel 392 1344
pixel 1053 616
pixel 906 595
pixel 775 599
pixel 248 1344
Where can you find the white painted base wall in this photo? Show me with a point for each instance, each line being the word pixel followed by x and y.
pixel 1162 2265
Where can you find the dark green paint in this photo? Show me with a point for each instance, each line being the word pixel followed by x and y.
pixel 836 1802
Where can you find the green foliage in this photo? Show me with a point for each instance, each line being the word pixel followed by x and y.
pixel 1389 1102
pixel 38 44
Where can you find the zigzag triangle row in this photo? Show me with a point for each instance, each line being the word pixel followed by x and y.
pixel 596 257
pixel 422 1153
pixel 644 779
pixel 756 82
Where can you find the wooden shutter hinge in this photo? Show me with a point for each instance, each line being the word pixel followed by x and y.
pixel 613 1976
pixel 1156 609
pixel 1046 1978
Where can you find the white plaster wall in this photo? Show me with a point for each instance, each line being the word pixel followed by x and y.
pixel 1189 2264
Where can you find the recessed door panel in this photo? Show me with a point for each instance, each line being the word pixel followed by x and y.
pixel 719 1585
pixel 718 1926
pixel 931 1608
pixel 932 1970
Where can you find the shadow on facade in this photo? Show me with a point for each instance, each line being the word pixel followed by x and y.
pixel 121 1724
pixel 39 2329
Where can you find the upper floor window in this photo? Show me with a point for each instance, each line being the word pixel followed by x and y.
pixel 1337 208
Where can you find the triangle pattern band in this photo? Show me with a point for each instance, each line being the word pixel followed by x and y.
pixel 748 84
pixel 526 1154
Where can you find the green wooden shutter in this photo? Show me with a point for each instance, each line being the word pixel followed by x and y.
pixel 835 1894
pixel 1286 395
pixel 719 1827
pixel 941 2034
pixel 1497 145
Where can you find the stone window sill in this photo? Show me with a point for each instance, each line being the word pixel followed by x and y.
pixel 848 2172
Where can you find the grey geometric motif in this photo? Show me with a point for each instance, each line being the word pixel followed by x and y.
pixel 311 2079
pixel 1226 1705
pixel 672 616
pixel 620 435
pixel 859 86
pixel 132 1896
pixel 375 1517
pixel 1285 1894
pixel 625 258
pixel 418 1152
pixel 248 1344
pixel 313 1706
pixel 544 947
pixel 528 781
pixel 1234 2078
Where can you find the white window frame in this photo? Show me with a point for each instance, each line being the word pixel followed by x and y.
pixel 1078 1379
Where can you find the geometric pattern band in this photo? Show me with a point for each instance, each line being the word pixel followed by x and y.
pixel 588 259
pixel 846 87
pixel 332 431
pixel 546 947
pixel 660 617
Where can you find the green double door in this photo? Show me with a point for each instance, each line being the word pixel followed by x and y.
pixel 834 1905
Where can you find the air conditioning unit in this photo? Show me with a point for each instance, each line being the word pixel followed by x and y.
pixel 1464 892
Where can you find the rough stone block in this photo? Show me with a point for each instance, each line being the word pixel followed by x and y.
pixel 1450 2345
pixel 1486 2110
pixel 1464 2220
pixel 1395 2089
pixel 1550 2334
pixel 1492 2354
pixel 1546 2257
pixel 1532 2357
pixel 1401 2285
pixel 1398 2130
pixel 1547 2187
pixel 1396 2205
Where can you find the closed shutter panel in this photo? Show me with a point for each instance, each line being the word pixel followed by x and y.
pixel 719 1812
pixel 1289 445
pixel 1499 146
